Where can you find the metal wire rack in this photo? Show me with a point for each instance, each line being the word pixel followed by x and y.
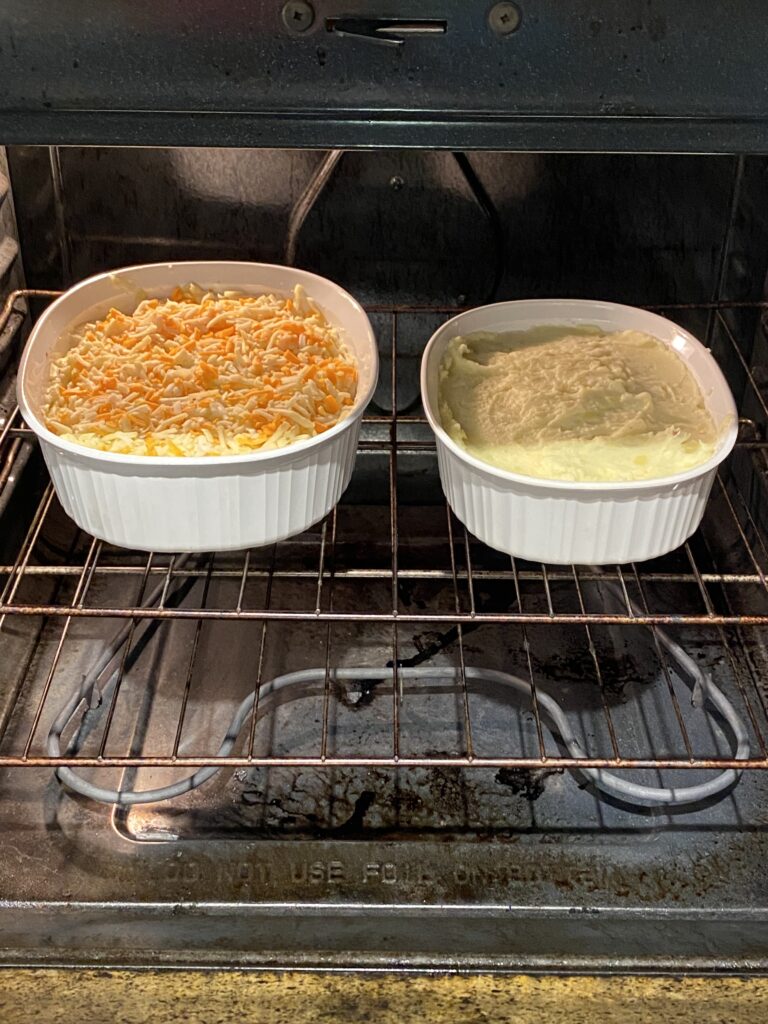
pixel 391 562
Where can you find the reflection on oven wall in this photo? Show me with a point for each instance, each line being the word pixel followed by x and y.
pixel 408 227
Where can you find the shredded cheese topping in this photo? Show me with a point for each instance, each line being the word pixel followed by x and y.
pixel 202 373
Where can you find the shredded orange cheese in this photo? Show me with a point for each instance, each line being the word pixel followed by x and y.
pixel 202 373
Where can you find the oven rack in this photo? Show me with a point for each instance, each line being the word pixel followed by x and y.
pixel 404 570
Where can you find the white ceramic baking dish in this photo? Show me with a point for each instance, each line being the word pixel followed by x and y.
pixel 217 503
pixel 558 521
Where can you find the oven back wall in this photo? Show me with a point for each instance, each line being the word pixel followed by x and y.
pixel 396 227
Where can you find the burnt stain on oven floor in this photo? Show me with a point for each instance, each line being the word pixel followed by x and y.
pixel 434 803
pixel 571 663
pixel 527 782
pixel 618 674
pixel 441 803
pixel 437 802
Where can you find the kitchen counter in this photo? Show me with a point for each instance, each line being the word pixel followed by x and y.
pixel 202 997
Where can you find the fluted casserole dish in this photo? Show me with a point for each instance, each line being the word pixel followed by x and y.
pixel 207 503
pixel 561 521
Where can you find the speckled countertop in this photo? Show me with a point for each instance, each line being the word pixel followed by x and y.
pixel 221 997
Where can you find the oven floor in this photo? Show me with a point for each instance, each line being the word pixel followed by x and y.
pixel 564 881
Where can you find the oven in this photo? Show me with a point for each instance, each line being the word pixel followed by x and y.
pixel 397 792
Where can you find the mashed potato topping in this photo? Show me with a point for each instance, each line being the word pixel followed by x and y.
pixel 575 404
pixel 202 373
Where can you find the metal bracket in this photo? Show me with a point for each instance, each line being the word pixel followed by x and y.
pixel 385 31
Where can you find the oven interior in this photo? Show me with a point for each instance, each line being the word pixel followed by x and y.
pixel 427 816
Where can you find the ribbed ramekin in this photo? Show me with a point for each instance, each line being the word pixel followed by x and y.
pixel 559 521
pixel 215 503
